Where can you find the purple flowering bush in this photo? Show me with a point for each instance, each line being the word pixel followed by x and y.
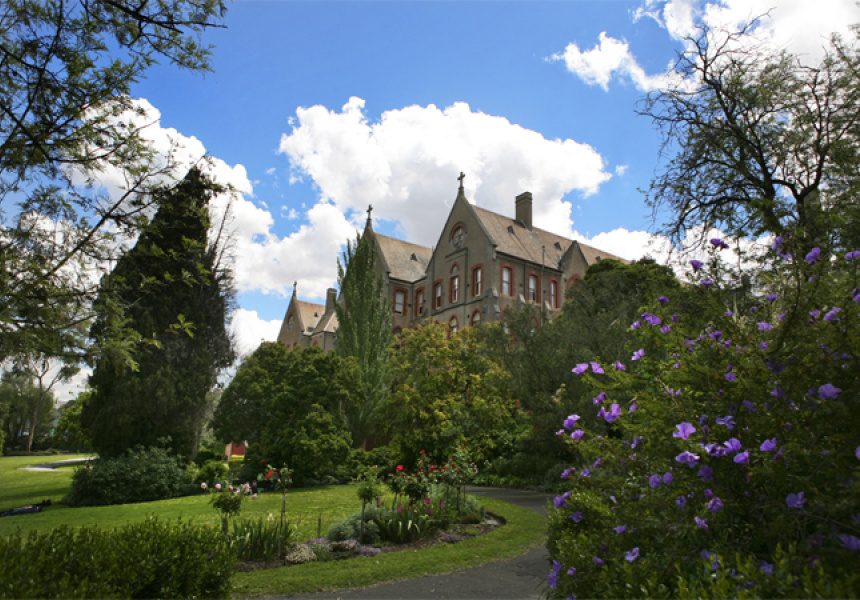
pixel 726 457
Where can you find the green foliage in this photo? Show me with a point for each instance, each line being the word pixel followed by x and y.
pixel 384 458
pixel 404 526
pixel 287 404
pixel 446 390
pixel 150 559
pixel 170 287
pixel 139 475
pixel 212 472
pixel 18 397
pixel 261 538
pixel 364 331
pixel 68 434
pixel 764 402
pixel 351 528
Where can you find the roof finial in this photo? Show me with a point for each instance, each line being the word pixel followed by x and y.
pixel 295 285
pixel 369 210
pixel 460 179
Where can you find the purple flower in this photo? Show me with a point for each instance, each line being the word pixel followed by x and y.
pixel 706 473
pixel 632 555
pixel 852 255
pixel 571 571
pixel 777 242
pixel 731 376
pixel 652 319
pixel 813 256
pixel 619 366
pixel 729 313
pixel 598 370
pixel 718 243
pixel 768 445
pixel 742 458
pixel 696 264
pixel 733 445
pixel 728 421
pixel 560 501
pixel 638 354
pixel 814 313
pixel 685 430
pixel 597 561
pixel 701 523
pixel 576 435
pixel 795 500
pixel 599 398
pixel 668 478
pixel 681 501
pixel 620 529
pixel 849 542
pixel 655 480
pixel 771 297
pixel 552 578
pixel 707 283
pixel 635 325
pixel 766 568
pixel 586 473
pixel 778 392
pixel 828 391
pixel 570 421
pixel 613 413
pixel 831 314
pixel 715 335
pixel 597 463
pixel 764 326
pixel 665 329
pixel 576 517
pixel 565 474
pixel 663 299
pixel 580 368
pixel 688 458
pixel 715 504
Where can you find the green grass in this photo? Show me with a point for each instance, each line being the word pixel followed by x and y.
pixel 524 529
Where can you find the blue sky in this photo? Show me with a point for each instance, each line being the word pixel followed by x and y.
pixel 317 108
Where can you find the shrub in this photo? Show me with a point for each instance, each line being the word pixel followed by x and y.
pixel 138 475
pixel 350 527
pixel 404 526
pixel 149 559
pixel 257 539
pixel 212 471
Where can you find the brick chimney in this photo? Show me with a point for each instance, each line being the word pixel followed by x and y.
pixel 524 209
pixel 330 299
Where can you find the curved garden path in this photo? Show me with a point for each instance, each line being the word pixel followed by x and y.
pixel 520 577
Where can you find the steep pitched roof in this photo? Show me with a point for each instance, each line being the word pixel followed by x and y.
pixel 405 261
pixel 309 314
pixel 513 238
pixel 327 324
pixel 592 255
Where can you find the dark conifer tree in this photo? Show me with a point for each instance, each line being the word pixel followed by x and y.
pixel 171 296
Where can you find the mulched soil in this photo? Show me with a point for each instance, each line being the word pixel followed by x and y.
pixel 465 531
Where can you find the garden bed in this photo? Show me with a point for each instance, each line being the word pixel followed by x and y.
pixel 454 534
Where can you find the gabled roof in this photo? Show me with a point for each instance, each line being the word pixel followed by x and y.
pixel 327 324
pixel 512 237
pixel 404 261
pixel 592 255
pixel 309 314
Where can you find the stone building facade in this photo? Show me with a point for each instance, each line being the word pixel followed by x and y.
pixel 483 264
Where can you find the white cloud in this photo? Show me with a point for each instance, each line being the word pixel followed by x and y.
pixel 799 26
pixel 620 170
pixel 610 58
pixel 248 330
pixel 406 165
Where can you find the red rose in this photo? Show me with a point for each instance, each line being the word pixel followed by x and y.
pixel 399 467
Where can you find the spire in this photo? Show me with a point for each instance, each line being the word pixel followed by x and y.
pixel 368 226
pixel 295 284
pixel 461 191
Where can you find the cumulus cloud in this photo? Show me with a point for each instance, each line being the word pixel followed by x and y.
pixel 406 165
pixel 799 26
pixel 249 330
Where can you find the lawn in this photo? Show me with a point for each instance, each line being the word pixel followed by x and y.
pixel 306 507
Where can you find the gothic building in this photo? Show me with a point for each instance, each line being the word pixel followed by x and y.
pixel 482 265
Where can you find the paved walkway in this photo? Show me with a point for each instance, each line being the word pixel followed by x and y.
pixel 514 578
pixel 50 466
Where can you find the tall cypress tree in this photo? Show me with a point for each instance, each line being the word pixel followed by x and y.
pixel 171 296
pixel 364 330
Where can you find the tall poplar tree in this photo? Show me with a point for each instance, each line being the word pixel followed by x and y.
pixel 169 297
pixel 364 330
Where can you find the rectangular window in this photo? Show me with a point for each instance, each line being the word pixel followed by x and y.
pixel 400 302
pixel 455 288
pixel 477 284
pixel 437 296
pixel 506 281
pixel 553 293
pixel 419 302
pixel 533 288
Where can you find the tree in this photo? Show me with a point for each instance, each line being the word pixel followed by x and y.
pixel 67 68
pixel 68 434
pixel 288 406
pixel 171 288
pixel 446 390
pixel 764 143
pixel 19 398
pixel 364 330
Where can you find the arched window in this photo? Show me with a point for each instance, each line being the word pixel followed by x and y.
pixel 455 284
pixel 476 318
pixel 291 321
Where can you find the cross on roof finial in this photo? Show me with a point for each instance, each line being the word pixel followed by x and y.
pixel 460 179
pixel 369 208
pixel 295 285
